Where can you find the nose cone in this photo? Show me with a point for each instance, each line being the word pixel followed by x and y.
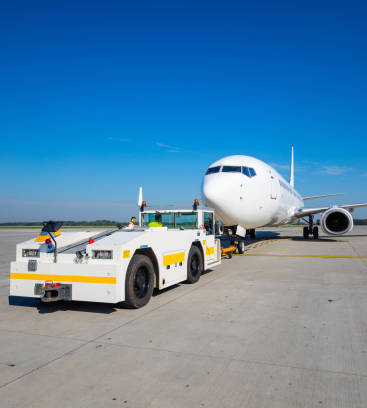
pixel 210 191
pixel 218 194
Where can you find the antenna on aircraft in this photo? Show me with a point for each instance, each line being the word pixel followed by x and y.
pixel 291 180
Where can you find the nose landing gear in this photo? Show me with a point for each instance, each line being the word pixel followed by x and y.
pixel 311 229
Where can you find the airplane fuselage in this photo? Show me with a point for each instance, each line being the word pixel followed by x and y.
pixel 248 192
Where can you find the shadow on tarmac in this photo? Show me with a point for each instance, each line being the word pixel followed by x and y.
pixel 45 308
pixel 311 239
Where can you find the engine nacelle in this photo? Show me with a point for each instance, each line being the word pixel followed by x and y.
pixel 336 221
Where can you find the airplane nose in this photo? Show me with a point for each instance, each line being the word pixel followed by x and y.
pixel 211 195
pixel 221 194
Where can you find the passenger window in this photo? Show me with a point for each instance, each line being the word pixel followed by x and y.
pixel 246 171
pixel 252 172
pixel 208 223
pixel 187 220
pixel 212 170
pixel 231 169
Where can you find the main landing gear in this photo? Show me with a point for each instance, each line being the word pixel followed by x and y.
pixel 311 229
pixel 252 233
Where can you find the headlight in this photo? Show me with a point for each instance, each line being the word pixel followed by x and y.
pixel 31 253
pixel 101 254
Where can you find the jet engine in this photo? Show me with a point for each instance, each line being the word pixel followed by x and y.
pixel 336 221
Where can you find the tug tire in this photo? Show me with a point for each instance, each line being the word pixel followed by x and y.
pixel 195 265
pixel 139 282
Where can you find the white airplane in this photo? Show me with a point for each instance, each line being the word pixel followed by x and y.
pixel 247 193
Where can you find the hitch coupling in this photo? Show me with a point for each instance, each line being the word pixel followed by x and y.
pixel 52 292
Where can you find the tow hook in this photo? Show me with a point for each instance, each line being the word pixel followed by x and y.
pixel 53 292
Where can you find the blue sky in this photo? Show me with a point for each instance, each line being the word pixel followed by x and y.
pixel 98 98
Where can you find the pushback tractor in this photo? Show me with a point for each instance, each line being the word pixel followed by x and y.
pixel 120 265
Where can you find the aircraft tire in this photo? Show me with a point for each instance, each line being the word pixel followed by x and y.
pixel 315 232
pixel 139 282
pixel 195 265
pixel 306 232
pixel 241 247
pixel 252 233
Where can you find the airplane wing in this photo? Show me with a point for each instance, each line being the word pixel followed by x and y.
pixel 321 196
pixel 304 212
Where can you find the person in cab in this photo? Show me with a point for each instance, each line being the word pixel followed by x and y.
pixel 157 221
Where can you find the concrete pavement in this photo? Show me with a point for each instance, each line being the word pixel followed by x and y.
pixel 258 331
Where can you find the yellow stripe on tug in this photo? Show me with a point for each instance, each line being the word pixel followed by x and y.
pixel 64 278
pixel 42 238
pixel 173 258
pixel 209 250
pixel 44 235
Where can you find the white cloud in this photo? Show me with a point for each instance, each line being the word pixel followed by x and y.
pixel 117 139
pixel 171 149
pixel 280 166
pixel 334 170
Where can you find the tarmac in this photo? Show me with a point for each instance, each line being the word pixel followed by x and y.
pixel 284 325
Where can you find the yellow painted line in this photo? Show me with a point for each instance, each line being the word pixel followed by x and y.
pixel 173 258
pixel 63 278
pixel 256 245
pixel 209 250
pixel 310 256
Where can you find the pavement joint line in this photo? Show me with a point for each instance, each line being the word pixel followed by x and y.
pixel 258 362
pixel 77 339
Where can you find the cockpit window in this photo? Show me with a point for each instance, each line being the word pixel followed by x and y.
pixel 231 169
pixel 252 172
pixel 246 171
pixel 212 170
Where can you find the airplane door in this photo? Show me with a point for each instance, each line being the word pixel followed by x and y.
pixel 273 187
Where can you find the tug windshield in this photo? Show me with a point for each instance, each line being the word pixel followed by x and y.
pixel 183 220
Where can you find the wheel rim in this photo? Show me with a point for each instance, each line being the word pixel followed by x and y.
pixel 141 283
pixel 195 266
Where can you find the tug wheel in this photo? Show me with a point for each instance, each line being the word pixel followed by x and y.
pixel 139 281
pixel 194 265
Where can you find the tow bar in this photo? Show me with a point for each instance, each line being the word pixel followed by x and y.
pixel 53 292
